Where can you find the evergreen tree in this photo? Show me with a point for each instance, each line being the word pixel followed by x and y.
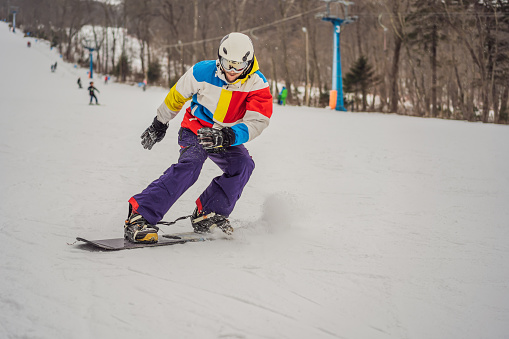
pixel 359 79
pixel 122 69
pixel 154 72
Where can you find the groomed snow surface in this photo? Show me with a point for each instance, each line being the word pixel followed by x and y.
pixel 353 225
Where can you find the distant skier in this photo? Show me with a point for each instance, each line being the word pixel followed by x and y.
pixel 231 104
pixel 91 92
pixel 282 96
pixel 79 82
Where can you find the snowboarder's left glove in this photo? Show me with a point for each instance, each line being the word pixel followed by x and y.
pixel 154 133
pixel 213 139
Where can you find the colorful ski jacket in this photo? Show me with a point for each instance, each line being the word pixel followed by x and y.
pixel 244 105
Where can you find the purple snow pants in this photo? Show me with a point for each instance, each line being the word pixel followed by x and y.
pixel 219 197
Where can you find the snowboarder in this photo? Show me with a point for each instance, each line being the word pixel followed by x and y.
pixel 91 92
pixel 231 104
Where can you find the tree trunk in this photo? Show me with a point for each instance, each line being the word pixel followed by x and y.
pixel 284 7
pixel 434 43
pixel 504 112
pixel 395 75
pixel 495 100
pixel 195 32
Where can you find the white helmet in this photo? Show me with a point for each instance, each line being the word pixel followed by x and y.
pixel 236 52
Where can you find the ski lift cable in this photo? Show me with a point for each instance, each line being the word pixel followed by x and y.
pixel 277 22
pixel 249 30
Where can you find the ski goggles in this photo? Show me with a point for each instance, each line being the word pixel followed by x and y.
pixel 233 66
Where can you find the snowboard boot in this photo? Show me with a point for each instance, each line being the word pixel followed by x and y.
pixel 138 229
pixel 205 223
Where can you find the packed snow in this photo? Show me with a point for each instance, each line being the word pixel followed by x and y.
pixel 353 225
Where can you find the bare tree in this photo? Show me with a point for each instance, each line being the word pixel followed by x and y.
pixel 173 12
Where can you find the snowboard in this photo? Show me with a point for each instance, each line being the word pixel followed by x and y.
pixel 117 244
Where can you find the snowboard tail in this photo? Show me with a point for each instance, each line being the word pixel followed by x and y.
pixel 117 244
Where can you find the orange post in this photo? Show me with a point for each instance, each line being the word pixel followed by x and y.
pixel 333 96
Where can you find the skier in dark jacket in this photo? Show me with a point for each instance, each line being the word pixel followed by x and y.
pixel 231 104
pixel 91 90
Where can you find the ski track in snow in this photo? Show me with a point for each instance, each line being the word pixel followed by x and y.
pixel 353 225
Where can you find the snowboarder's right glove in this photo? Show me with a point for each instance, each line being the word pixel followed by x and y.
pixel 213 140
pixel 154 133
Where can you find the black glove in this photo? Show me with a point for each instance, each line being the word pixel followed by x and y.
pixel 154 133
pixel 213 139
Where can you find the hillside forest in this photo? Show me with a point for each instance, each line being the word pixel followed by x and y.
pixel 430 58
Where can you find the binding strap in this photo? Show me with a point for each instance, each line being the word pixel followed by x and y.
pixel 169 223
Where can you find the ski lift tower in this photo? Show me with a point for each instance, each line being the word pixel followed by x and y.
pixel 336 94
pixel 14 10
pixel 87 45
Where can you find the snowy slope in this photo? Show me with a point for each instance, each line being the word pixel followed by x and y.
pixel 354 225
